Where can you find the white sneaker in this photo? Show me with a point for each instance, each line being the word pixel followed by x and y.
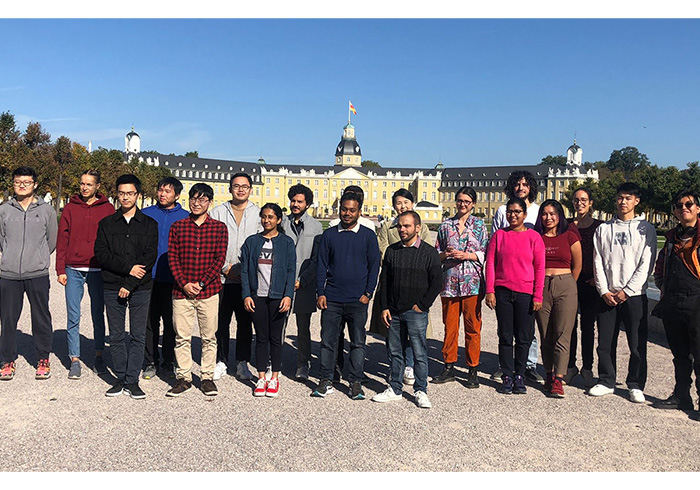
pixel 242 371
pixel 422 400
pixel 600 390
pixel 219 370
pixel 387 395
pixel 637 396
pixel 408 377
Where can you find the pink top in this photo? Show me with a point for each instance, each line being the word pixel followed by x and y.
pixel 515 260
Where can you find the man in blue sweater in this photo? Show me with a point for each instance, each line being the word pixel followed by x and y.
pixel 348 264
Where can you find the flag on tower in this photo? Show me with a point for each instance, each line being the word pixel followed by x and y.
pixel 352 108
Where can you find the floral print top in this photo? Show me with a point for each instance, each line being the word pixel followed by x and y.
pixel 462 277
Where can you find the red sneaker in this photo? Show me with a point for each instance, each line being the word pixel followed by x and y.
pixel 557 388
pixel 43 371
pixel 273 388
pixel 260 387
pixel 7 372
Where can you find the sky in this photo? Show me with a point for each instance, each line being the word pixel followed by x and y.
pixel 466 92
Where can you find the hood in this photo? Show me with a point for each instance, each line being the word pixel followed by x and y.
pixel 618 221
pixel 75 199
pixel 39 202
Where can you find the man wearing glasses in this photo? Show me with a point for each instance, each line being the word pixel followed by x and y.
pixel 196 251
pixel 126 248
pixel 242 220
pixel 28 229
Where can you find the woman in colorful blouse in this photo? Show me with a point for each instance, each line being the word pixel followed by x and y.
pixel 461 242
pixel 560 301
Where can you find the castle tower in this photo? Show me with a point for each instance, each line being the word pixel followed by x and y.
pixel 348 152
pixel 132 142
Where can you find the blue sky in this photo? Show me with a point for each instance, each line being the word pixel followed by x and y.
pixel 466 92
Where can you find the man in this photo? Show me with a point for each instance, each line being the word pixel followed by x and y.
pixel 127 247
pixel 306 232
pixel 522 184
pixel 76 266
pixel 411 279
pixel 197 251
pixel 348 264
pixel 624 249
pixel 677 274
pixel 166 212
pixel 27 238
pixel 242 218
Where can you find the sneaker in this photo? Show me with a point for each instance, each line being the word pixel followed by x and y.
pixel 220 370
pixel 674 402
pixel 242 371
pixel 519 385
pixel 181 386
pixel 548 382
pixel 472 378
pixel 532 375
pixel 408 376
pixel 497 376
pixel 557 390
pixel 422 400
pixel 325 387
pixel 74 371
pixel 302 373
pixel 116 389
pixel 273 388
pixel 356 391
pixel 100 367
pixel 588 379
pixel 570 374
pixel 43 370
pixel 506 385
pixel 7 372
pixel 134 391
pixel 387 395
pixel 338 374
pixel 260 387
pixel 637 396
pixel 447 374
pixel 600 390
pixel 149 372
pixel 169 369
pixel 209 388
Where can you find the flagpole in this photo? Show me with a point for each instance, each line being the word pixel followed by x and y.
pixel 349 112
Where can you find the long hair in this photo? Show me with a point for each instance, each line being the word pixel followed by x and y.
pixel 278 212
pixel 563 224
pixel 516 177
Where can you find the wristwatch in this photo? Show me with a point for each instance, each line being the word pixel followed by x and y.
pixel 369 295
pixel 201 284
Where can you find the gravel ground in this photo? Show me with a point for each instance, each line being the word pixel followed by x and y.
pixel 79 429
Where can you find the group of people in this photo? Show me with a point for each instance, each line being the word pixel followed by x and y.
pixel 165 264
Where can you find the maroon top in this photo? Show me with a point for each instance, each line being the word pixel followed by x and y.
pixel 558 249
pixel 587 249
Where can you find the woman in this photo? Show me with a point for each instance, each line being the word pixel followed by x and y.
pixel 268 267
pixel 514 283
pixel 560 301
pixel 402 200
pixel 588 298
pixel 461 242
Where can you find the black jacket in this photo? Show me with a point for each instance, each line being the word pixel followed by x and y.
pixel 120 246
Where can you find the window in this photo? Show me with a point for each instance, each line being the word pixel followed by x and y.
pixel 267 192
pixel 374 195
pixel 383 194
pixel 393 184
pixel 316 182
pixel 434 184
pixel 290 181
pixel 325 193
pixel 342 183
pixel 277 180
pixel 433 197
pixel 277 192
pixel 308 182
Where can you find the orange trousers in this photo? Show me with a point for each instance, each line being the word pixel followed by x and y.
pixel 468 307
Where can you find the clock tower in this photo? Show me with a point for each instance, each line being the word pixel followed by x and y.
pixel 574 155
pixel 348 153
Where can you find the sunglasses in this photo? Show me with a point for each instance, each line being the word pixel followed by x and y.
pixel 687 204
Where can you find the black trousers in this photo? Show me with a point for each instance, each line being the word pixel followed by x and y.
pixel 515 321
pixel 161 306
pixel 588 301
pixel 269 326
pixel 633 315
pixel 230 302
pixel 303 338
pixel 682 325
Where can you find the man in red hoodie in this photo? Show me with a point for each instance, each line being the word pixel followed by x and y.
pixel 76 265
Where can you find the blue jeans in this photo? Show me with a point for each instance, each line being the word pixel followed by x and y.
pixel 75 288
pixel 408 327
pixel 127 362
pixel 332 318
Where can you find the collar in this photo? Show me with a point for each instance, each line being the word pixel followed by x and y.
pixel 138 215
pixel 416 244
pixel 354 229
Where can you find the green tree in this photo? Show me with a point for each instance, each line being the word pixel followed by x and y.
pixel 627 160
pixel 370 164
pixel 690 176
pixel 9 145
pixel 554 161
pixel 606 192
pixel 588 183
pixel 194 154
pixel 63 156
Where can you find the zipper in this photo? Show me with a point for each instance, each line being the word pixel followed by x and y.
pixel 24 239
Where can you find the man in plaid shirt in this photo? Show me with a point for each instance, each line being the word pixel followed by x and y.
pixel 196 252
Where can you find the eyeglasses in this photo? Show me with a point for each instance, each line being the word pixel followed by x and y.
pixel 462 201
pixel 516 212
pixel 243 187
pixel 582 200
pixel 687 204
pixel 127 193
pixel 199 200
pixel 23 183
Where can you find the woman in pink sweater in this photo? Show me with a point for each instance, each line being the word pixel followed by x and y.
pixel 514 284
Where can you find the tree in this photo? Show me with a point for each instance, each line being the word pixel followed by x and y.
pixel 627 160
pixel 9 142
pixel 194 154
pixel 370 164
pixel 588 183
pixel 606 195
pixel 554 161
pixel 691 176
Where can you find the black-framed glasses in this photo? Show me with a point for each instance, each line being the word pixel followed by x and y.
pixel 687 204
pixel 23 183
pixel 516 212
pixel 464 201
pixel 199 200
pixel 243 187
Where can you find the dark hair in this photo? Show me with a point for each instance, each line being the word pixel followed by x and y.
pixel 93 173
pixel 466 190
pixel 516 177
pixel 25 171
pixel 200 189
pixel 416 216
pixel 351 196
pixel 401 193
pixel 686 193
pixel 301 189
pixel 172 182
pixel 629 188
pixel 278 212
pixel 129 179
pixel 586 190
pixel 563 224
pixel 241 174
pixel 516 200
pixel 356 189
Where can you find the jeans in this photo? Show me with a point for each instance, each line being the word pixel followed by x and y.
pixel 332 318
pixel 588 301
pixel 230 302
pixel 127 362
pixel 515 321
pixel 269 328
pixel 303 338
pixel 161 306
pixel 75 288
pixel 409 326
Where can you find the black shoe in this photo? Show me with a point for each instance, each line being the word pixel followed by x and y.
pixel 337 374
pixel 209 388
pixel 674 402
pixel 325 387
pixel 356 391
pixel 168 368
pixel 532 375
pixel 447 374
pixel 472 378
pixel 181 386
pixel 506 385
pixel 135 391
pixel 116 389
pixel 519 385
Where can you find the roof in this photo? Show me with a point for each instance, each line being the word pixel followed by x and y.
pixel 502 172
pixel 426 204
pixel 348 147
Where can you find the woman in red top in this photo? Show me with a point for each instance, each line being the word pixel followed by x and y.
pixel 560 301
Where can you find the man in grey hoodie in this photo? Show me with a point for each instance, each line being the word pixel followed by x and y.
pixel 28 229
pixel 623 259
